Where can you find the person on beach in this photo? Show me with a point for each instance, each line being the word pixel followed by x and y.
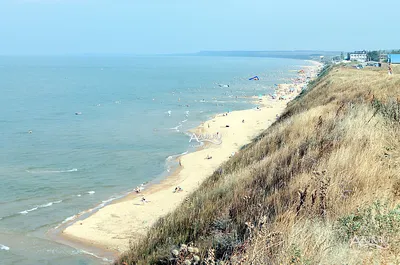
pixel 390 70
pixel 209 157
pixel 143 200
pixel 137 190
pixel 180 163
pixel 178 189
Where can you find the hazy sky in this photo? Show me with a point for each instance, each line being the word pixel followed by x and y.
pixel 171 26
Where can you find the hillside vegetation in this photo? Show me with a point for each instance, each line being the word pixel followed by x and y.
pixel 320 186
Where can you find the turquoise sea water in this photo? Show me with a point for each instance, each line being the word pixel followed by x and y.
pixel 122 137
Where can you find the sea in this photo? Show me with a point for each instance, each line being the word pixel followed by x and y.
pixel 77 132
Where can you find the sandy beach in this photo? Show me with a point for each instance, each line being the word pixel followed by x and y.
pixel 115 225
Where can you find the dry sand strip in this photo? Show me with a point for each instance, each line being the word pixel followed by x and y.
pixel 113 226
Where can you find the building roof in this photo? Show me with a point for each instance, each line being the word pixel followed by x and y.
pixel 359 52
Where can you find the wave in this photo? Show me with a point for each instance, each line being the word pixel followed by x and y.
pixel 4 247
pixel 50 204
pixel 184 121
pixel 169 158
pixel 176 128
pixel 71 218
pixel 40 206
pixel 52 171
pixel 103 203
pixel 30 210
pixel 91 192
pixel 94 255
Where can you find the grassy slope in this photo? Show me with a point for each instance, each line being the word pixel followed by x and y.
pixel 292 195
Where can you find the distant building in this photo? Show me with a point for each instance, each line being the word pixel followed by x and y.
pixel 394 58
pixel 360 56
pixel 383 57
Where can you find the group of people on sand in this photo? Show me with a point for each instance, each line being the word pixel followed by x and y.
pixel 178 189
pixel 138 189
pixel 143 199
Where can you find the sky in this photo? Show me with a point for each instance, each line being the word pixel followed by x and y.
pixel 41 27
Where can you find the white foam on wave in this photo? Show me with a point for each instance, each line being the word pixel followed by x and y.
pixel 169 158
pixel 94 255
pixel 176 128
pixel 4 247
pixel 71 218
pixel 40 206
pixel 49 204
pixel 184 121
pixel 52 171
pixel 30 210
pixel 91 192
pixel 103 203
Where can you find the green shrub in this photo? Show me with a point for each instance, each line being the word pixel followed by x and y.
pixel 374 226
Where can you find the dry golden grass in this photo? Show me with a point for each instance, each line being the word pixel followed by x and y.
pixel 282 198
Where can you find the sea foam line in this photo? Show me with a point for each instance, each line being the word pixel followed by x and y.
pixel 4 247
pixel 52 171
pixel 94 255
pixel 169 158
pixel 176 128
pixel 40 206
pixel 101 205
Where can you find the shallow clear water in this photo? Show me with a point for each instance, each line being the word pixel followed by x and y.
pixel 122 137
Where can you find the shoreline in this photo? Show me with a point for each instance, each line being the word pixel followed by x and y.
pixel 107 231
